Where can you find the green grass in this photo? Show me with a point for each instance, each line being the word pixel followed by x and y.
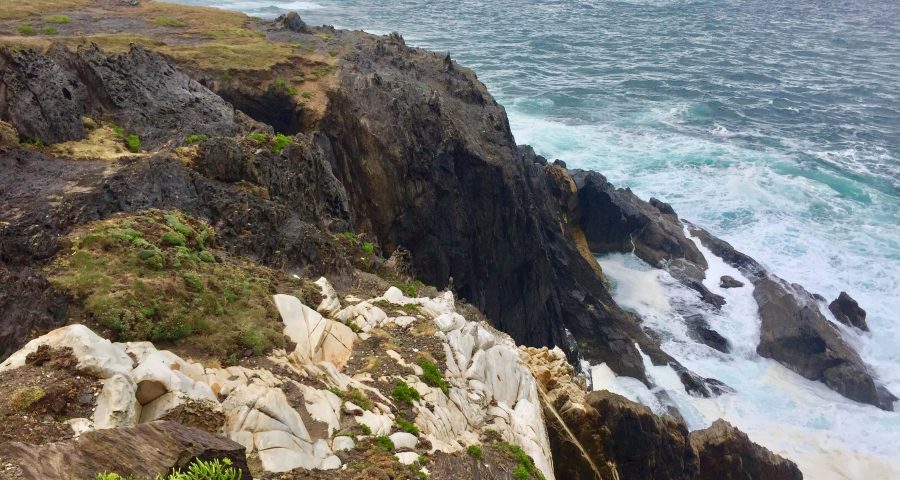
pixel 409 289
pixel 284 85
pixel 475 451
pixel 133 142
pixel 24 397
pixel 156 277
pixel 49 31
pixel 258 137
pixel 384 443
pixel 365 429
pixel 26 30
pixel 432 375
pixel 332 53
pixel 169 22
pixel 368 248
pixel 195 138
pixel 406 426
pixel 57 19
pixel 403 392
pixel 525 468
pixel 197 470
pixel 280 142
pixel 354 395
pixel 323 71
pixel 307 95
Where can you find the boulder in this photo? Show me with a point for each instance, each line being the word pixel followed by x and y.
pixel 727 281
pixel 96 355
pixel 318 338
pixel 848 312
pixel 293 22
pixel 404 441
pixel 143 451
pixel 726 453
pixel 795 333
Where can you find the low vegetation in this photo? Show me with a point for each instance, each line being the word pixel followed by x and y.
pixel 169 22
pixel 384 443
pixel 432 375
pixel 525 468
pixel 474 451
pixel 133 142
pixel 158 277
pixel 282 84
pixel 197 470
pixel 195 138
pixel 277 143
pixel 58 19
pixel 403 392
pixel 406 426
pixel 354 396
pixel 24 397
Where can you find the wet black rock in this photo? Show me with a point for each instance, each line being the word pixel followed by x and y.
pixel 848 312
pixel 728 281
pixel 293 22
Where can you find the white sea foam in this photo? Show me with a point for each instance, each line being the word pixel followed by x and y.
pixel 829 436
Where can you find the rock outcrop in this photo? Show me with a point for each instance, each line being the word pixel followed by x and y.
pixel 142 451
pixel 45 96
pixel 848 312
pixel 604 435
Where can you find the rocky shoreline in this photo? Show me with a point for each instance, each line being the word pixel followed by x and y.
pixel 166 170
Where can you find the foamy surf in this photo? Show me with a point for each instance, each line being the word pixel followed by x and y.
pixel 827 435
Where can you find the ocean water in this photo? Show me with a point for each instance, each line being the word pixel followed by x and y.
pixel 773 124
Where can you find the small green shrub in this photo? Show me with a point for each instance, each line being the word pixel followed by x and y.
pixel 432 375
pixel 520 472
pixel 119 131
pixel 403 392
pixel 525 468
pixel 408 289
pixel 281 141
pixel 49 31
pixel 368 248
pixel 169 22
pixel 207 257
pixel 407 426
pixel 57 19
pixel 323 71
pixel 365 429
pixel 176 224
pixel 195 138
pixel 284 85
pixel 475 451
pixel 258 137
pixel 307 95
pixel 111 476
pixel 24 397
pixel 153 258
pixel 332 53
pixel 354 326
pixel 133 142
pixel 384 443
pixel 174 239
pixel 354 395
pixel 197 470
pixel 349 236
pixel 26 29
pixel 193 282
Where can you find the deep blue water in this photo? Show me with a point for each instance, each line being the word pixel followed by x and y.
pixel 775 124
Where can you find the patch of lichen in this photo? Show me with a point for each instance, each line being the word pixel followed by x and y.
pixel 158 276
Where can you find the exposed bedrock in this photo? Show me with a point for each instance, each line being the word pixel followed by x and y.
pixel 796 333
pixel 44 96
pixel 616 220
pixel 848 312
pixel 143 451
pixel 604 435
pixel 430 165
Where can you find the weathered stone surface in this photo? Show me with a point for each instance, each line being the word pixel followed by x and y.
pixel 143 451
pixel 46 95
pixel 848 312
pixel 317 338
pixel 28 303
pixel 727 453
pixel 95 354
pixel 403 440
pixel 293 22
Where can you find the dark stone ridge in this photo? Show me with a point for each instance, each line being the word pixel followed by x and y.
pixel 44 96
pixel 796 333
pixel 144 451
pixel 700 331
pixel 613 437
pixel 727 453
pixel 293 22
pixel 616 220
pixel 28 303
pixel 848 312
pixel 728 281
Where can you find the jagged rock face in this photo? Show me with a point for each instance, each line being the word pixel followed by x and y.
pixel 848 312
pixel 727 453
pixel 142 451
pixel 45 96
pixel 602 435
pixel 430 165
pixel 27 303
pixel 300 177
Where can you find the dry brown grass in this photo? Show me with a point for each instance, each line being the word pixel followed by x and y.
pixel 13 9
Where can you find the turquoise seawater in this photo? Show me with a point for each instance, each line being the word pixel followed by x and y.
pixel 774 124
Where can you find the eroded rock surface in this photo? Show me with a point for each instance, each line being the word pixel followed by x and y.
pixel 848 312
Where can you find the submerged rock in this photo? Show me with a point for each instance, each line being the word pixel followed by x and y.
pixel 848 312
pixel 728 281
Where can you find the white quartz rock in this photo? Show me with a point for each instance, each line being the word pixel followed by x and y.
pixel 116 404
pixel 407 458
pixel 330 303
pixel 341 443
pixel 404 440
pixel 96 355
